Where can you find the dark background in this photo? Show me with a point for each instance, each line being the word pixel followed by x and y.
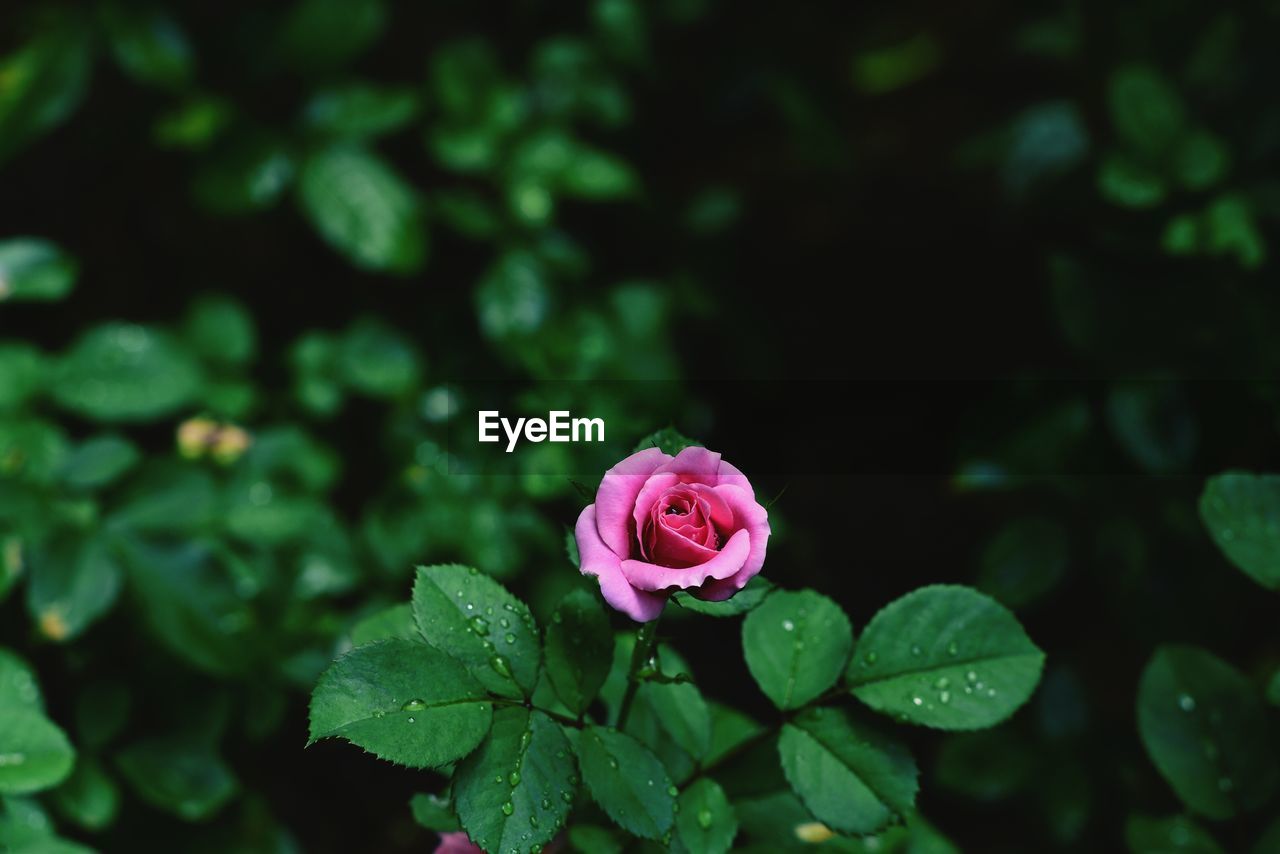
pixel 873 270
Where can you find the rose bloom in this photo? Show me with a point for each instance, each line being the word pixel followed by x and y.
pixel 661 524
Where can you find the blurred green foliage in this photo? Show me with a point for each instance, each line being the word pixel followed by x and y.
pixel 200 505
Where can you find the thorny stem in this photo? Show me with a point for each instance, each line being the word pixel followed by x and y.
pixel 646 638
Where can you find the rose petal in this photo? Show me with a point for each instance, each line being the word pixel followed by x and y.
pixel 698 465
pixel 616 497
pixel 718 510
pixel 456 843
pixel 751 517
pixel 727 562
pixel 676 549
pixel 600 561
pixel 645 501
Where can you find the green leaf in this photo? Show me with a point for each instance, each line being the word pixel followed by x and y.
pixel 34 269
pixel 361 110
pixel 98 462
pixel 45 82
pixel 376 360
pixel 321 35
pixel 402 701
pixel 1204 727
pixel 148 44
pixel 1129 183
pixel 1173 835
pixel 797 643
pixel 434 813
pixel 190 603
pixel 516 789
pixel 851 777
pixel 474 619
pixel 22 372
pixel 1147 112
pixel 669 440
pixel 746 599
pixel 74 581
pixel 124 372
pixel 179 774
pixel 250 172
pixel 627 781
pixel 571 548
pixel 89 797
pixel 597 175
pixel 730 729
pixel 579 630
pixel 947 657
pixel 393 622
pixel 34 752
pixel 1239 510
pixel 31 450
pixel 1269 842
pixel 1024 561
pixel 683 713
pixel 167 499
pixel 706 822
pixel 1201 160
pixel 18 686
pixel 363 209
pixel 220 330
pixel 592 839
pixel 1154 423
pixel 513 299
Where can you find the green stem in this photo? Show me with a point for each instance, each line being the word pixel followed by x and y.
pixel 646 639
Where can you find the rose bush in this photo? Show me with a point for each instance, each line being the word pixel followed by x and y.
pixel 661 524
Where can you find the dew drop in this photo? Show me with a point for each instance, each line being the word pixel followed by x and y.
pixel 500 666
pixel 942 682
pixel 704 819
pixel 480 625
pixel 508 808
pixel 919 701
pixel 915 649
pixel 613 763
pixel 412 719
pixel 557 618
pixel 953 648
pixel 1186 702
pixel 672 791
pixel 546 803
pixel 510 638
pixel 971 676
pixel 533 821
pixel 413 705
pixel 514 779
pixel 567 797
pixel 788 626
pixel 944 697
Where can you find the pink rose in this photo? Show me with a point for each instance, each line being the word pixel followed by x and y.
pixel 662 524
pixel 457 843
